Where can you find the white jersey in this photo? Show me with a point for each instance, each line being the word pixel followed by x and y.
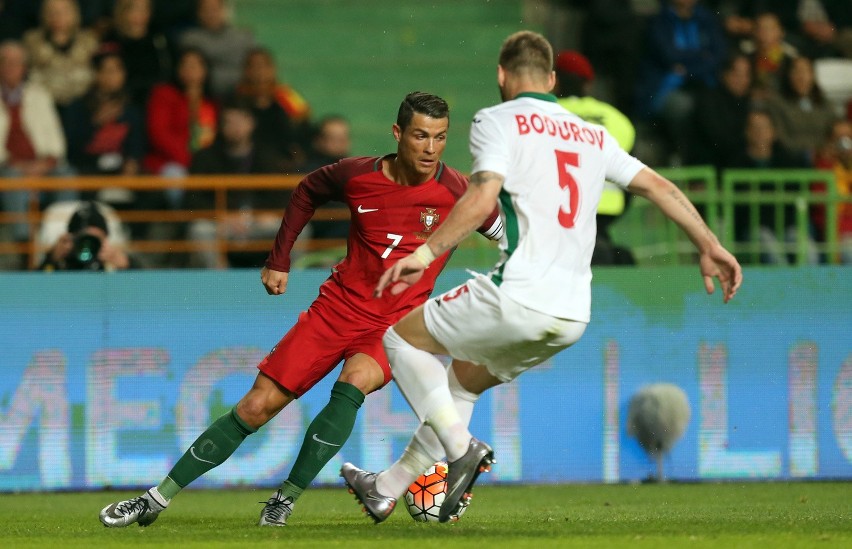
pixel 554 165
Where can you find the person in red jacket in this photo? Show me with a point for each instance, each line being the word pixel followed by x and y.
pixel 396 202
pixel 181 119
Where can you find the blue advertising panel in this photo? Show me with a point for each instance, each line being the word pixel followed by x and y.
pixel 107 379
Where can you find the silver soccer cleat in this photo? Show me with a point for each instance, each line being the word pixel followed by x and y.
pixel 363 485
pixel 142 510
pixel 276 511
pixel 461 475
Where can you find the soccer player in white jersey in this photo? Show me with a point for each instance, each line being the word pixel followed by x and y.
pixel 546 167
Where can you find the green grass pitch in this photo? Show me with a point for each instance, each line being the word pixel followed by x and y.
pixel 729 515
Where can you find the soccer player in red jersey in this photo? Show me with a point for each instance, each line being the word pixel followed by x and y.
pixel 396 201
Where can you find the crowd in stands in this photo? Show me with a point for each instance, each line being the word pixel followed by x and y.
pixel 173 87
pixel 165 87
pixel 731 84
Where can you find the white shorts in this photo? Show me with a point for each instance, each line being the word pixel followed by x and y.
pixel 477 323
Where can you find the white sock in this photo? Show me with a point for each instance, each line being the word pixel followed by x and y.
pixel 425 448
pixel 158 497
pixel 396 479
pixel 423 381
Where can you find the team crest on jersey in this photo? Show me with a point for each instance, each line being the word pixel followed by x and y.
pixel 429 218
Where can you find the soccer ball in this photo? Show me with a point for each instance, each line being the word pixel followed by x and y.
pixel 427 493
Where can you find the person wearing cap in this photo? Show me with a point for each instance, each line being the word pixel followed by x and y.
pixel 574 79
pixel 86 245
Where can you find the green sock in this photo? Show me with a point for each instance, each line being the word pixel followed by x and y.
pixel 325 435
pixel 212 448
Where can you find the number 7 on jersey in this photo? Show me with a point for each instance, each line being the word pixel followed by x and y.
pixel 395 240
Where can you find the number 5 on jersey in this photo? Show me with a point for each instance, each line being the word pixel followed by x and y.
pixel 395 240
pixel 567 182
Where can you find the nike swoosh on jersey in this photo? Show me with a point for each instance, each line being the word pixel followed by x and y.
pixel 363 210
pixel 321 441
pixel 192 451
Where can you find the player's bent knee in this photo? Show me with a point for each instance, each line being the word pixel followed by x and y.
pixel 367 376
pixel 364 382
pixel 257 407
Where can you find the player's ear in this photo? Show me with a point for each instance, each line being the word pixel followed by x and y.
pixel 501 76
pixel 397 132
pixel 551 81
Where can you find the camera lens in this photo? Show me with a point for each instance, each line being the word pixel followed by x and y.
pixel 84 254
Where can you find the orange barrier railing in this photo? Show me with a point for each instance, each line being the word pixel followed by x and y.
pixel 219 185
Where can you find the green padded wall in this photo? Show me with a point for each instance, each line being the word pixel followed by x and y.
pixel 360 58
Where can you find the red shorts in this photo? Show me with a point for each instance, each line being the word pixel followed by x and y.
pixel 328 332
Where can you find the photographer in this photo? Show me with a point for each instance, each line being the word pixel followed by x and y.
pixel 86 245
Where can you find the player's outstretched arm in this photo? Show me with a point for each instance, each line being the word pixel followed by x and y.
pixel 715 260
pixel 468 214
pixel 275 282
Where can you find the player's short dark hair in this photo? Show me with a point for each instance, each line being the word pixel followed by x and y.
pixel 421 103
pixel 527 52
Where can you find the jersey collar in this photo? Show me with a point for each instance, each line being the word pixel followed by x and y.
pixel 535 95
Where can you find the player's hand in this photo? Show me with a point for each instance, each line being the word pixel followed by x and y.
pixel 404 273
pixel 275 282
pixel 720 263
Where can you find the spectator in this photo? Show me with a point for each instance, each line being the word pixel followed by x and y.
pixel 61 52
pixel 770 54
pixel 763 150
pixel 235 151
pixel 575 77
pixel 224 45
pixel 282 114
pixel 86 245
pixel 800 112
pixel 686 46
pixel 31 139
pixel 836 155
pixel 105 131
pixel 181 117
pixel 739 17
pixel 720 115
pixel 147 55
pixel 331 143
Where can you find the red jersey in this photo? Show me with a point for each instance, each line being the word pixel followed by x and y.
pixel 389 221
